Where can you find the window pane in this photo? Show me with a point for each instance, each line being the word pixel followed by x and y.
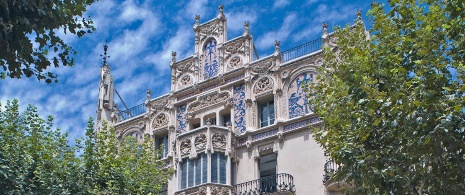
pixel 190 179
pixel 204 168
pixel 214 168
pixel 222 169
pixel 165 142
pixel 198 167
pixel 183 174
pixel 271 112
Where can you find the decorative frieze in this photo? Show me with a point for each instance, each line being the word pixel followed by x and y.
pixel 264 135
pixel 300 124
pixel 242 142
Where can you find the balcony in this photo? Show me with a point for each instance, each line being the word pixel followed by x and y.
pixel 329 181
pixel 282 183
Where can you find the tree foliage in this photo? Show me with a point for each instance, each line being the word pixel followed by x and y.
pixel 37 159
pixel 39 20
pixel 393 104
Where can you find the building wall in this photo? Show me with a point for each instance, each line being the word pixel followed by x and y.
pixel 231 82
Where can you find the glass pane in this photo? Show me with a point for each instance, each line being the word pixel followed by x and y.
pixel 222 169
pixel 271 112
pixel 263 109
pixel 214 168
pixel 165 142
pixel 190 177
pixel 204 168
pixel 198 167
pixel 183 174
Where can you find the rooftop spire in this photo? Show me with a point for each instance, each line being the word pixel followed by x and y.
pixel 105 56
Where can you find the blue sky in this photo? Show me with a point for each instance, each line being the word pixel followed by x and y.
pixel 142 34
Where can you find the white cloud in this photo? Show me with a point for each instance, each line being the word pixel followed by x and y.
pixel 236 20
pixel 280 3
pixel 287 27
pixel 178 43
pixel 196 7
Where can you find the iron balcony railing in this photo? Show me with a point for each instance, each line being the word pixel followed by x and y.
pixel 301 50
pixel 330 169
pixel 282 182
pixel 132 112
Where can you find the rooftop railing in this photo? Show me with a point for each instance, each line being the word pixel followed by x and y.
pixel 132 112
pixel 301 50
pixel 282 182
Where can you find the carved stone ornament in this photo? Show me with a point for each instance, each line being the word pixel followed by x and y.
pixel 186 80
pixel 200 142
pixel 235 62
pixel 160 120
pixel 248 144
pixel 219 190
pixel 160 103
pixel 219 141
pixel 280 137
pixel 262 85
pixel 208 100
pixel 263 66
pixel 284 74
pixel 185 147
pixel 209 30
pixel 202 190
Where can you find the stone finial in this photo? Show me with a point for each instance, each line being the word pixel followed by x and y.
pixel 246 28
pixel 197 19
pixel 325 28
pixel 221 8
pixel 277 51
pixel 149 93
pixel 173 56
pixel 277 44
pixel 359 14
pixel 105 56
pixel 220 13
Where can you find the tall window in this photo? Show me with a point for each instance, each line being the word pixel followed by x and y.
pixel 266 111
pixel 162 144
pixel 194 172
pixel 268 173
pixel 218 168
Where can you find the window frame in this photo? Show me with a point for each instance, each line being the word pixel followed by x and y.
pixel 269 105
pixel 188 180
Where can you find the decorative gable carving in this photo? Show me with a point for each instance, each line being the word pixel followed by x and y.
pixel 208 100
pixel 263 84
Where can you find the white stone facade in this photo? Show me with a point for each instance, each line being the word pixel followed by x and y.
pixel 233 124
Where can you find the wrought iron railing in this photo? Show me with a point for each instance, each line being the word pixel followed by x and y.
pixel 282 182
pixel 132 112
pixel 301 50
pixel 330 169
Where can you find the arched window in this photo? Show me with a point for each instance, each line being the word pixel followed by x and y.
pixel 210 68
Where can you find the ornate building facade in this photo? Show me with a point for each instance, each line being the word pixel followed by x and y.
pixel 232 123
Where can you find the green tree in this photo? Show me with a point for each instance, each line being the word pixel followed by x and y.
pixel 34 158
pixel 21 21
pixel 37 159
pixel 393 103
pixel 122 167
